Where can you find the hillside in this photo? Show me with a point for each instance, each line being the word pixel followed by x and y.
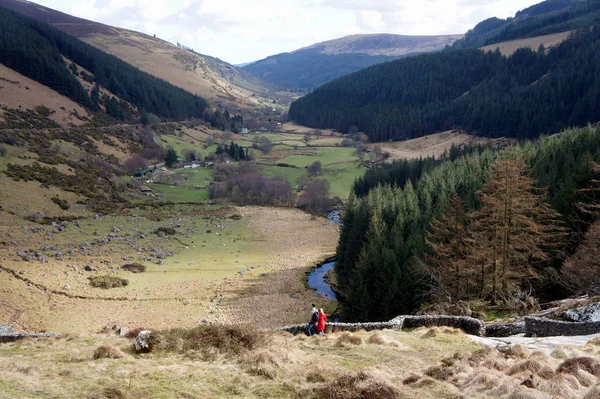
pixel 213 79
pixel 311 66
pixel 88 76
pixel 521 96
pixel 547 17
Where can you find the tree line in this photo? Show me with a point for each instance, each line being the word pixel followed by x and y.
pixel 485 93
pixel 36 50
pixel 490 225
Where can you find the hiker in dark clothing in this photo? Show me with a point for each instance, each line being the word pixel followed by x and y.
pixel 312 324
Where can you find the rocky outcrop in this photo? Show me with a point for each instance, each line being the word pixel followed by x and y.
pixel 590 313
pixel 8 334
pixel 548 328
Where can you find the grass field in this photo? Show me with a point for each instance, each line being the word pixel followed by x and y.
pixel 426 363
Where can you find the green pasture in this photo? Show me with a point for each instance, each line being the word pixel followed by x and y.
pixel 327 156
pixel 180 193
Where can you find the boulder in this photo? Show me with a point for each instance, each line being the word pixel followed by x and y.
pixel 585 314
pixel 145 341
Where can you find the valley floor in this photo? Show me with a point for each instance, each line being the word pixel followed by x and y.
pixel 227 265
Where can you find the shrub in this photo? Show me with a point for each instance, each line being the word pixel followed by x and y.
pixel 3 151
pixel 170 231
pixel 107 282
pixel 134 268
pixel 63 204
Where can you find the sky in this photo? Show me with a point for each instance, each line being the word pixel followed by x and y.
pixel 240 31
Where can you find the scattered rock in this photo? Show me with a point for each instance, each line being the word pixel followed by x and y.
pixel 67 287
pixel 88 268
pixel 123 332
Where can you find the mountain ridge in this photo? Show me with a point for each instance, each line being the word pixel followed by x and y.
pixel 311 66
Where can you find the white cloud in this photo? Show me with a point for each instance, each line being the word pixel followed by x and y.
pixel 243 30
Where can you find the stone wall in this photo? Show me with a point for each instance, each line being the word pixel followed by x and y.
pixel 549 328
pixel 467 324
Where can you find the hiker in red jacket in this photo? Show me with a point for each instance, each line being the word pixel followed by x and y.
pixel 321 323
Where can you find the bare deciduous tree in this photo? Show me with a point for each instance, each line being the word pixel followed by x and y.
pixel 134 164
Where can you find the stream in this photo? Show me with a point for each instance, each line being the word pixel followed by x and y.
pixel 317 282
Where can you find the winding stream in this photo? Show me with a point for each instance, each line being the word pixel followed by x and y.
pixel 317 282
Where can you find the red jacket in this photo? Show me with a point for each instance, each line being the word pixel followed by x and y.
pixel 322 320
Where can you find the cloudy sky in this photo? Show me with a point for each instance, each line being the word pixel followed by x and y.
pixel 239 31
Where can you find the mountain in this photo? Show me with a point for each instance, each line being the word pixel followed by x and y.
pixel 309 67
pixel 209 77
pixel 521 96
pixel 550 16
pixel 92 78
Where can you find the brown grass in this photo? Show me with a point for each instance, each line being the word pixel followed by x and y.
pixel 29 94
pixel 360 385
pixel 509 47
pixel 350 339
pixel 527 393
pixel 526 366
pixel 211 339
pixel 587 364
pixel 593 393
pixel 111 393
pixel 107 352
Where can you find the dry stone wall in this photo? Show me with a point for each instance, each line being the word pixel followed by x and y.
pixel 549 328
pixel 467 324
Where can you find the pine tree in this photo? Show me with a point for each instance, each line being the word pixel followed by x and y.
pixel 171 158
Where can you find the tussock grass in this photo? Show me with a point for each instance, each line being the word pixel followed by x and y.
pixel 360 385
pixel 588 364
pixel 558 387
pixel 593 393
pixel 211 339
pixel 349 339
pixel 529 366
pixel 439 373
pixel 107 352
pixel 378 338
pixel 111 393
pixel 527 393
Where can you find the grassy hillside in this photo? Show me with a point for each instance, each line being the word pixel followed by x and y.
pixel 205 76
pixel 38 51
pixel 224 362
pixel 309 67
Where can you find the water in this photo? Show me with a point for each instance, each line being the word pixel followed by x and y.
pixel 318 284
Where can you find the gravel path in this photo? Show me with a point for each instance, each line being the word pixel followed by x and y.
pixel 544 344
